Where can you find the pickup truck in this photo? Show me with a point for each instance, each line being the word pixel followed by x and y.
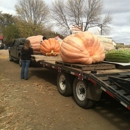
pixel 15 50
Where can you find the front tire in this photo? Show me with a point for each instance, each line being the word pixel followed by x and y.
pixel 80 94
pixel 10 57
pixel 20 62
pixel 64 84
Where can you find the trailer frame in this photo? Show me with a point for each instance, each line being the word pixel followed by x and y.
pixel 104 81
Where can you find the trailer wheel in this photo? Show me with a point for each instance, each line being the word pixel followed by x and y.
pixel 64 84
pixel 80 94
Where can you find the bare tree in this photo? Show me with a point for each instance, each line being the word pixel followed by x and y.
pixel 85 13
pixel 58 13
pixel 105 29
pixel 32 11
pixel 92 13
pixel 6 19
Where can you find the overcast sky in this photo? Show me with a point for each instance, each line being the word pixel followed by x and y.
pixel 120 10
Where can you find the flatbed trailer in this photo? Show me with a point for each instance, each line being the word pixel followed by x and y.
pixel 87 82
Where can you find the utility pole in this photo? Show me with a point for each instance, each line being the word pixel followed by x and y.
pixel 101 28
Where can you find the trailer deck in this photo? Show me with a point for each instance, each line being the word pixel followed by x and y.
pixel 111 79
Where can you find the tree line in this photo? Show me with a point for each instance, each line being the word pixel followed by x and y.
pixel 35 17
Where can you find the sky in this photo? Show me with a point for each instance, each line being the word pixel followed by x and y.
pixel 119 9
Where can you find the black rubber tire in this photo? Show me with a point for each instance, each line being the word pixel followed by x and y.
pixel 84 102
pixel 20 62
pixel 64 84
pixel 10 57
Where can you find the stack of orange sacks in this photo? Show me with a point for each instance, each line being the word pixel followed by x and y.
pixel 35 43
pixel 83 48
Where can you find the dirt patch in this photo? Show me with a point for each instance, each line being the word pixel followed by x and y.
pixel 35 104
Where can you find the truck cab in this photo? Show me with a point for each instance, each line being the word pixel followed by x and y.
pixel 15 49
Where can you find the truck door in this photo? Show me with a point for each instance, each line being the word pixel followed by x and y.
pixel 17 49
pixel 14 49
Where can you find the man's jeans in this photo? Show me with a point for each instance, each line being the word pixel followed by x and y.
pixel 25 69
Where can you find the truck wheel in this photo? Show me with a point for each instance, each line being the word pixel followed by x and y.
pixel 64 84
pixel 80 94
pixel 10 58
pixel 20 62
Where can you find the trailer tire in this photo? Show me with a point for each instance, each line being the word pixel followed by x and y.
pixel 64 84
pixel 80 94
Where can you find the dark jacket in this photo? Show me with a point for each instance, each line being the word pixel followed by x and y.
pixel 26 54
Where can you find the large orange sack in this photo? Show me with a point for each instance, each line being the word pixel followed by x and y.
pixel 50 47
pixel 35 43
pixel 82 47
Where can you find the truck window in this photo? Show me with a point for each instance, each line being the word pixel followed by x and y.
pixel 15 44
pixel 22 42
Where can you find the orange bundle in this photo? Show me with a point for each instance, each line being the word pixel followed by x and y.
pixel 82 47
pixel 35 43
pixel 50 47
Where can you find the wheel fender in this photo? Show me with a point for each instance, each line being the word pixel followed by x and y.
pixel 93 91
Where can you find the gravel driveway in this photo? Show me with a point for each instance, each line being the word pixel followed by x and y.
pixel 35 104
